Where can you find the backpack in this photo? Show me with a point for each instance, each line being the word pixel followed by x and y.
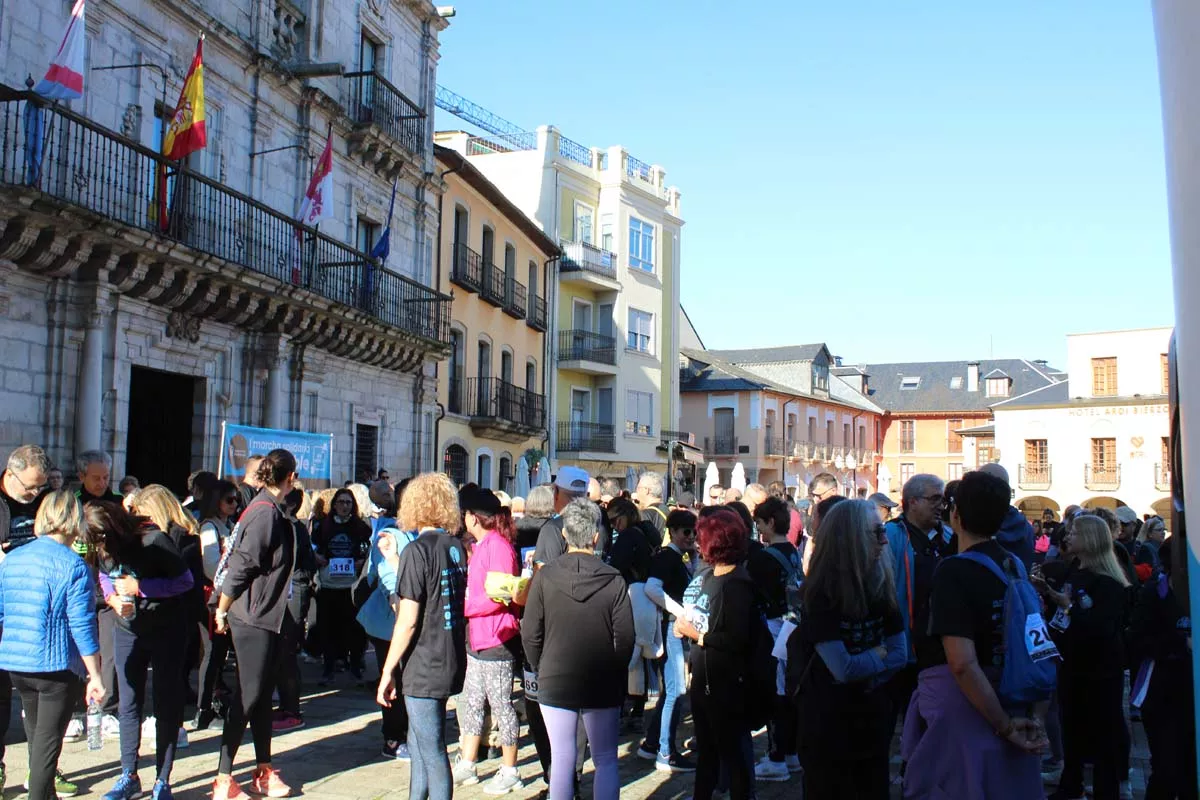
pixel 792 581
pixel 1029 673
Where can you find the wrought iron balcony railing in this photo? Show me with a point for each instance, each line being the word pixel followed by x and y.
pixel 591 437
pixel 515 298
pixel 1102 479
pixel 467 268
pixel 582 256
pixel 537 313
pixel 1034 477
pixel 576 345
pixel 773 445
pixel 493 398
pixel 721 445
pixel 373 101
pixel 493 284
pixel 79 162
pixel 1162 477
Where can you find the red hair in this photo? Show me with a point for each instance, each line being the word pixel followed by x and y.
pixel 501 522
pixel 722 537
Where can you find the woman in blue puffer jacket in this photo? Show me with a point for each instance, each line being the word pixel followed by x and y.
pixel 48 611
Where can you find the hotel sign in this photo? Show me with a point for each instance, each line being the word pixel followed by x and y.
pixel 1120 411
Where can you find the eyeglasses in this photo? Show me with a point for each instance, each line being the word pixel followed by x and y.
pixel 29 489
pixel 688 532
pixel 936 499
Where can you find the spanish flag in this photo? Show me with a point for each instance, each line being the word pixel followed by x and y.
pixel 186 131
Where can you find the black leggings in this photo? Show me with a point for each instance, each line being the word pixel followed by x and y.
pixel 341 635
pixel 47 698
pixel 1171 734
pixel 258 652
pixel 211 667
pixel 1093 719
pixel 106 620
pixel 723 746
pixel 162 649
pixel 395 716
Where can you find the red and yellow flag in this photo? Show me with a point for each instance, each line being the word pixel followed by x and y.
pixel 186 133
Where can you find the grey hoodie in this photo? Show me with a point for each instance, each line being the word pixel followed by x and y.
pixel 578 633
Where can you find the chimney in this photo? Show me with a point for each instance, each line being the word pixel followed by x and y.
pixel 1041 363
pixel 973 376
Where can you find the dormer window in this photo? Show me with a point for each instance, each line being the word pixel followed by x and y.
pixel 998 387
pixel 820 376
pixel 910 383
pixel 956 382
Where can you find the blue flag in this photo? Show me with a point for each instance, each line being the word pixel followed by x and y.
pixel 380 251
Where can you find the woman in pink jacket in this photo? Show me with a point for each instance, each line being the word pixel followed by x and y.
pixel 493 641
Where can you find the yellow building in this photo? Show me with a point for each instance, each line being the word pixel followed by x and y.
pixel 494 260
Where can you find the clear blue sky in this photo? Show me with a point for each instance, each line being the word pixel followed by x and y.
pixel 921 180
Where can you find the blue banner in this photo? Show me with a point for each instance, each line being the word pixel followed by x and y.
pixel 313 452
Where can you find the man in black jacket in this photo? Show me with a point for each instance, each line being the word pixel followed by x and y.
pixel 95 478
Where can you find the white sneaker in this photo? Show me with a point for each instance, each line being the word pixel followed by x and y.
pixel 75 731
pixel 182 742
pixel 773 771
pixel 504 781
pixel 149 729
pixel 110 726
pixel 464 772
pixel 793 764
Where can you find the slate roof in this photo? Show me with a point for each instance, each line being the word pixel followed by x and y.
pixel 1053 394
pixel 770 355
pixel 935 394
pixel 718 375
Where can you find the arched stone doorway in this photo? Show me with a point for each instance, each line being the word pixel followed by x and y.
pixel 1103 502
pixel 1163 509
pixel 1034 506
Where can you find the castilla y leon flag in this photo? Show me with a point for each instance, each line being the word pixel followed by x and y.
pixel 318 199
pixel 186 132
pixel 64 78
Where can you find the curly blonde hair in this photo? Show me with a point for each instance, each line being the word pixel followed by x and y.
pixel 430 502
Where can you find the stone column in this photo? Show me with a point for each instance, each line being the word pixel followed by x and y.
pixel 90 393
pixel 273 395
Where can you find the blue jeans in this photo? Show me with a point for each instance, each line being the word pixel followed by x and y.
pixel 430 777
pixel 674 687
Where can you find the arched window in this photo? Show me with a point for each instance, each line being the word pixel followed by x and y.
pixel 484 471
pixel 531 381
pixel 506 474
pixel 455 464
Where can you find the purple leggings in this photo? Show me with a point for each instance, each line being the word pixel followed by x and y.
pixel 603 727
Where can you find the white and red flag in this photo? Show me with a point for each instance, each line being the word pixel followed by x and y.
pixel 64 79
pixel 318 199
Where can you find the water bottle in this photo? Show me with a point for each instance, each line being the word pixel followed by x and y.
pixel 95 738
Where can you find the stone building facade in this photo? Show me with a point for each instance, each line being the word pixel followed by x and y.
pixel 140 335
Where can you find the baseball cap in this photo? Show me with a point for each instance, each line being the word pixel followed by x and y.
pixel 473 498
pixel 573 479
pixel 881 499
pixel 1126 515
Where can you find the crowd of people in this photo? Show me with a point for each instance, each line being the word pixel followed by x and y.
pixel 1005 653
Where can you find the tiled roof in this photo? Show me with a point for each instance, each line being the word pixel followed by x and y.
pixel 770 355
pixel 718 375
pixel 939 392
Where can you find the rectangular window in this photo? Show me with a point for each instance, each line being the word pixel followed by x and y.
pixel 985 451
pixel 1104 456
pixel 584 218
pixel 953 440
pixel 862 436
pixel 954 471
pixel 812 430
pixel 828 431
pixel 1165 362
pixel 639 413
pixel 908 436
pixel 909 384
pixel 1104 377
pixel 846 435
pixel 366 233
pixel 907 470
pixel 1037 456
pixel 606 232
pixel 997 387
pixel 641 245
pixel 366 447
pixel 641 330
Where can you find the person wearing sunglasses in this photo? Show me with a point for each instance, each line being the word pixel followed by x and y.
pixel 918 540
pixel 671 571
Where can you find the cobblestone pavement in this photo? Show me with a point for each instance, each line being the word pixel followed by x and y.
pixel 337 756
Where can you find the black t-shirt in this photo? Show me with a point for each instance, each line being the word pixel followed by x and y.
pixel 657 517
pixel 433 572
pixel 820 622
pixel 667 565
pixel 967 600
pixel 1093 642
pixel 629 552
pixel 723 608
pixel 770 578
pixel 550 541
pixel 19 529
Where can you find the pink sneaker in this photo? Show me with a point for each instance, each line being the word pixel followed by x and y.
pixel 286 722
pixel 266 782
pixel 226 788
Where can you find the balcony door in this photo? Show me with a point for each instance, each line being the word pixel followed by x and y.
pixel 505 393
pixel 604 406
pixel 484 373
pixel 582 319
pixel 456 371
pixel 723 430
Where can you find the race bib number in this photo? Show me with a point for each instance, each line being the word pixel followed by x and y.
pixel 1061 620
pixel 341 567
pixel 1038 643
pixel 531 685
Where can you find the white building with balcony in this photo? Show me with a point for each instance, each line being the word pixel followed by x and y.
pixel 1100 438
pixel 139 335
pixel 613 299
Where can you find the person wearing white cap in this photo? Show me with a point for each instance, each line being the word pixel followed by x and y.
pixel 1139 552
pixel 569 484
